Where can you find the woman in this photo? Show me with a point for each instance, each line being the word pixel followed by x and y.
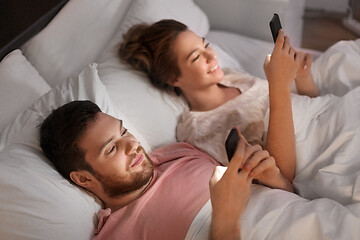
pixel 176 59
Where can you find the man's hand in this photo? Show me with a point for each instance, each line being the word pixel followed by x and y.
pixel 229 191
pixel 263 167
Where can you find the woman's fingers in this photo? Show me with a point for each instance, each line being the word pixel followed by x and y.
pixel 279 44
pixel 287 45
pixel 308 61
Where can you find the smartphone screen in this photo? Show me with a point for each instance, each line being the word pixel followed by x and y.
pixel 275 26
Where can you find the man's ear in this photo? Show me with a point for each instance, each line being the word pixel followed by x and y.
pixel 82 178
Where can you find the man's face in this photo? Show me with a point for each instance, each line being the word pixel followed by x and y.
pixel 120 164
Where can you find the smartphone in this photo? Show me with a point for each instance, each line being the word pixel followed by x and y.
pixel 231 143
pixel 275 26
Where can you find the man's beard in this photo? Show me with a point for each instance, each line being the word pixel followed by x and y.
pixel 115 186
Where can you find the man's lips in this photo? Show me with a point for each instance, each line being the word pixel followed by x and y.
pixel 138 160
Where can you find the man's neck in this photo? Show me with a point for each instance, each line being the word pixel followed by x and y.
pixel 116 203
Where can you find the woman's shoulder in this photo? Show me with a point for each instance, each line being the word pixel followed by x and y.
pixel 241 80
pixel 233 77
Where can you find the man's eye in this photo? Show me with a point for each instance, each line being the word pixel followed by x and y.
pixel 111 149
pixel 207 45
pixel 196 58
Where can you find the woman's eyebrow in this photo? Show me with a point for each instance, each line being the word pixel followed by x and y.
pixel 192 52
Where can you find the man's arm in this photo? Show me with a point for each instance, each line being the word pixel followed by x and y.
pixel 229 193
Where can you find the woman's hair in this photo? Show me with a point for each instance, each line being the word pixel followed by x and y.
pixel 60 132
pixel 148 48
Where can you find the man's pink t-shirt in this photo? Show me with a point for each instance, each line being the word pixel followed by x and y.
pixel 180 187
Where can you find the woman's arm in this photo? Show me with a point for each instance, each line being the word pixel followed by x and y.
pixel 280 70
pixel 305 84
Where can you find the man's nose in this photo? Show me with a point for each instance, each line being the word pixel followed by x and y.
pixel 130 147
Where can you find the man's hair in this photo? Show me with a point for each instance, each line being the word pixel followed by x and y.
pixel 60 132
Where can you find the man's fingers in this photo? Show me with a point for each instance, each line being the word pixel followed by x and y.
pixel 241 136
pixel 217 175
pixel 262 166
pixel 256 158
pixel 244 175
pixel 237 160
pixel 250 150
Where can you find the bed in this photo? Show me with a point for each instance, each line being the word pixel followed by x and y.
pixel 75 57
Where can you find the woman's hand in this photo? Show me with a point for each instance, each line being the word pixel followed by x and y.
pixel 282 65
pixel 305 84
pixel 305 60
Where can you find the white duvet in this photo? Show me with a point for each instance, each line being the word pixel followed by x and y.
pixel 327 182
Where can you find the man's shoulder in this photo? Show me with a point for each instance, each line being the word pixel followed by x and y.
pixel 175 151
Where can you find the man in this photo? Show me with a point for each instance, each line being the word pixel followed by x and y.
pixel 155 196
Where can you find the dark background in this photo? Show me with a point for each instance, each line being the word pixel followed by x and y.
pixel 21 19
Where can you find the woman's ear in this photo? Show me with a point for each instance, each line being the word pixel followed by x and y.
pixel 82 178
pixel 175 83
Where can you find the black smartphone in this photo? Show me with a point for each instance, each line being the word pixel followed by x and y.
pixel 231 143
pixel 275 26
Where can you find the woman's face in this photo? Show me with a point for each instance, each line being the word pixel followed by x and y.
pixel 197 63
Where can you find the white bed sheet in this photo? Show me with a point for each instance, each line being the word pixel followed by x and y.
pixel 327 178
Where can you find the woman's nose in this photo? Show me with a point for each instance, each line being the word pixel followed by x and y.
pixel 210 55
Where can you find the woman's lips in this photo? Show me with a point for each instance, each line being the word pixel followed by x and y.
pixel 216 67
pixel 138 160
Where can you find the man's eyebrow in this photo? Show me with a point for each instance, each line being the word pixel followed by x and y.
pixel 110 139
pixel 203 39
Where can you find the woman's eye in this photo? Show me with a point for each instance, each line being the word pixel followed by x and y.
pixel 207 45
pixel 196 58
pixel 124 132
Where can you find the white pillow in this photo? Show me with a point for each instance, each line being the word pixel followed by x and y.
pixel 74 38
pixel 250 53
pixel 150 11
pixel 36 202
pixel 153 113
pixel 20 86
